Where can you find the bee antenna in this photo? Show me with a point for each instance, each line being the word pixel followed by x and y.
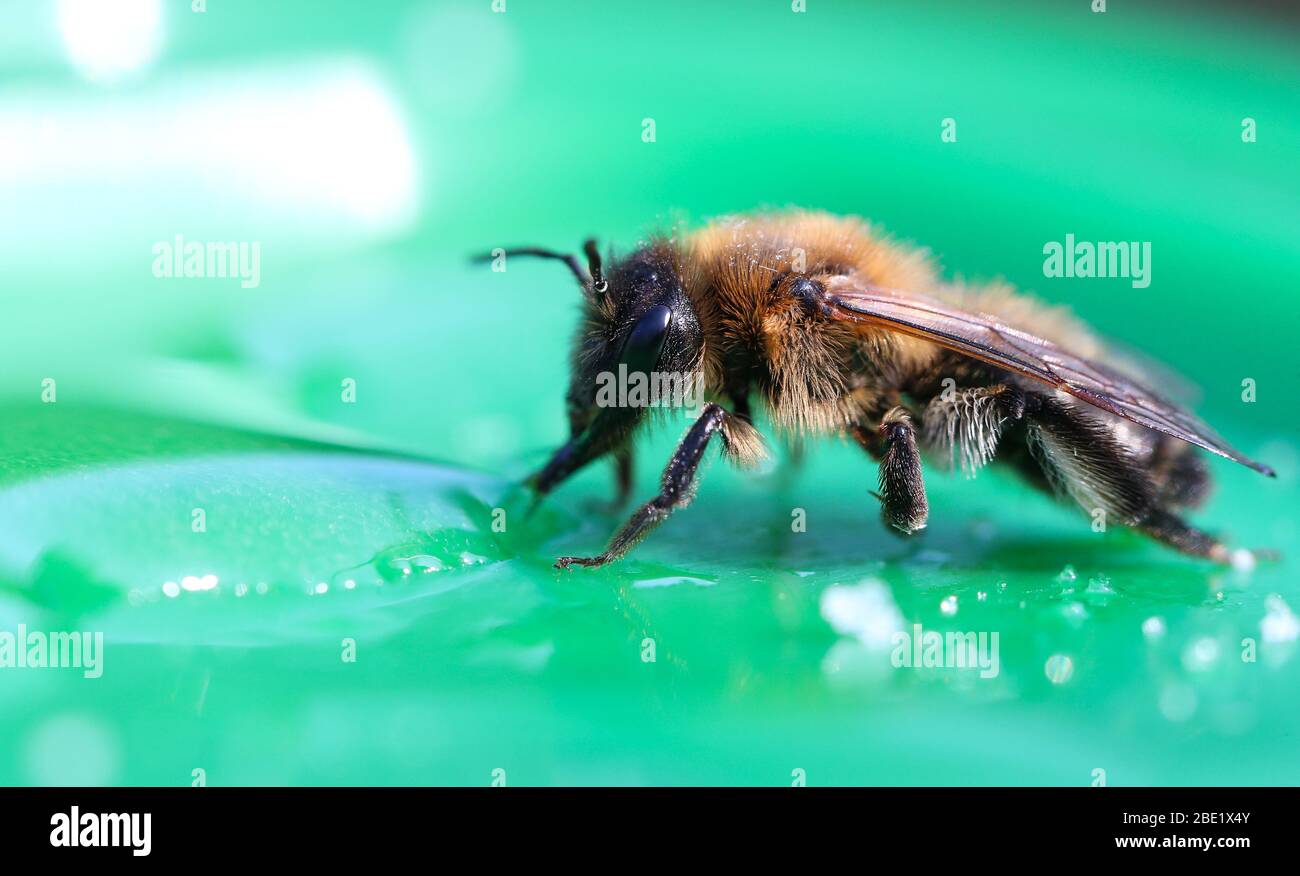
pixel 570 260
pixel 599 284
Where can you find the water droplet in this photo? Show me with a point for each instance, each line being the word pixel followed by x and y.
pixel 1059 669
pixel 948 606
pixel 171 589
pixel 1153 627
pixel 1067 574
pixel 469 559
pixel 349 584
pixel 1100 586
pixel 981 596
pixel 321 587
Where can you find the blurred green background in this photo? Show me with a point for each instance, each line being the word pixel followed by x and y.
pixel 366 149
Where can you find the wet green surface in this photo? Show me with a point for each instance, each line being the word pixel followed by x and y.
pixel 370 522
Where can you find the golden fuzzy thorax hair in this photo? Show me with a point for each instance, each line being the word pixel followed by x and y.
pixel 815 374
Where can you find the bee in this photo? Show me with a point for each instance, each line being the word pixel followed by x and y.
pixel 838 330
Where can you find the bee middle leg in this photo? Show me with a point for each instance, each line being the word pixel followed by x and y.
pixel 902 487
pixel 677 488
pixel 965 425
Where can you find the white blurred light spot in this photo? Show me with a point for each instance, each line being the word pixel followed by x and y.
pixel 72 749
pixel 1280 623
pixel 108 39
pixel 866 611
pixel 298 158
pixel 194 583
pixel 1201 654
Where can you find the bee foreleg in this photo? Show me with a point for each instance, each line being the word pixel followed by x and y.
pixel 607 433
pixel 902 487
pixel 677 488
pixel 622 476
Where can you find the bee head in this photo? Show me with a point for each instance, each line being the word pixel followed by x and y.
pixel 638 326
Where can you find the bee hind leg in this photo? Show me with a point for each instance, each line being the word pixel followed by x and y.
pixel 1080 459
pixel 1164 526
pixel 677 488
pixel 1169 528
pixel 903 503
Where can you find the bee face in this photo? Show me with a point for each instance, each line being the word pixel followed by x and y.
pixel 639 320
pixel 655 324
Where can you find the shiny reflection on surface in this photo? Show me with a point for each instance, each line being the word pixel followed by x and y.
pixel 306 155
pixel 106 40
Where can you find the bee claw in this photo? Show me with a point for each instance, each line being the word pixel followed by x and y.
pixel 566 562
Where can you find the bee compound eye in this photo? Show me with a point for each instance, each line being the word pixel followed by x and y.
pixel 646 339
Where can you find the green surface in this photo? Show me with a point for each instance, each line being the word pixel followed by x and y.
pixel 403 137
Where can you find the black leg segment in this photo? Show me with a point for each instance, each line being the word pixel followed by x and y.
pixel 903 504
pixel 677 488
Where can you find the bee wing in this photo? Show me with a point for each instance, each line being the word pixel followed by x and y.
pixel 984 337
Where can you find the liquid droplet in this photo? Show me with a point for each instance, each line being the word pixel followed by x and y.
pixel 1059 669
